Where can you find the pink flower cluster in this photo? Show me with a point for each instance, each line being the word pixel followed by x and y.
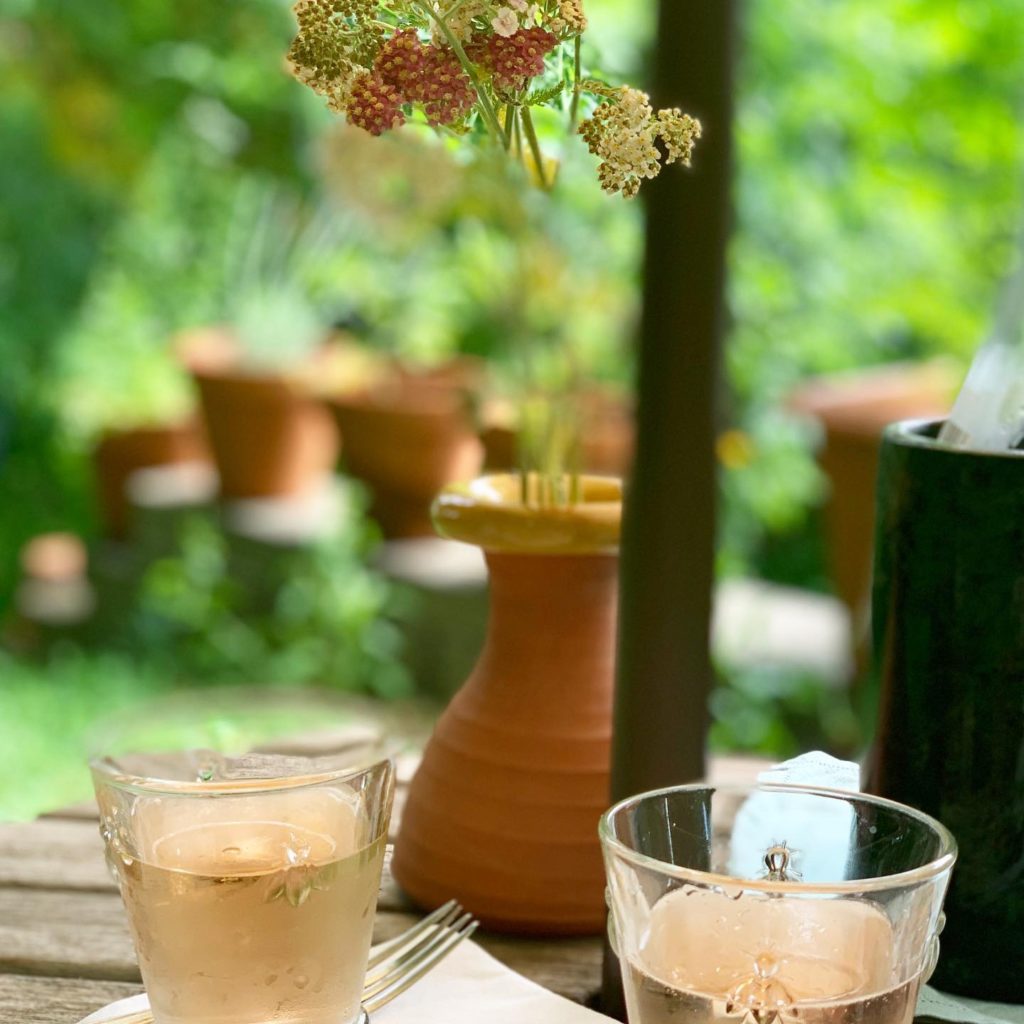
pixel 431 75
pixel 373 105
pixel 513 60
pixel 407 71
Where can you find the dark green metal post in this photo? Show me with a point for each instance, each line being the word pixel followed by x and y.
pixel 664 671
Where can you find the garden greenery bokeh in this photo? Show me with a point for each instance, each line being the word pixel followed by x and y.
pixel 877 194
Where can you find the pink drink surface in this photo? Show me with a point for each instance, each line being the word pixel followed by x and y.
pixel 709 958
pixel 261 912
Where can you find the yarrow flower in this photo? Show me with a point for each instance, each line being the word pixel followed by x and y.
pixel 679 134
pixel 512 61
pixel 624 132
pixel 431 75
pixel 374 60
pixel 401 60
pixel 505 23
pixel 570 18
pixel 460 23
pixel 334 42
pixel 374 105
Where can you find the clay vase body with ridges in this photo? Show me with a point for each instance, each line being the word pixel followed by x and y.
pixel 503 812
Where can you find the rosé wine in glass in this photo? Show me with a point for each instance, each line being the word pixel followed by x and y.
pixel 250 900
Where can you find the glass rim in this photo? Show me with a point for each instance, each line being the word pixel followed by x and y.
pixel 939 865
pixel 106 771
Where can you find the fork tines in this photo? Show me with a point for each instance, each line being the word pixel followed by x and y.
pixel 400 963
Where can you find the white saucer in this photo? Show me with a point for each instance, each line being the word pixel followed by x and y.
pixel 136 1004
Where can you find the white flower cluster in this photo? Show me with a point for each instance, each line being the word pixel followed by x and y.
pixel 517 14
pixel 461 20
pixel 624 132
pixel 570 18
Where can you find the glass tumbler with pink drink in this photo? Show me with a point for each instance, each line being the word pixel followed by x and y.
pixel 774 904
pixel 250 883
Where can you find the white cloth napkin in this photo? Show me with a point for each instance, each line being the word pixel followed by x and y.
pixel 469 986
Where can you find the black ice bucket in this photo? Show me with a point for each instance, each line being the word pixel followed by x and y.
pixel 949 646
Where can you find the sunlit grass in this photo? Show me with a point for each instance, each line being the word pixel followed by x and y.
pixel 54 717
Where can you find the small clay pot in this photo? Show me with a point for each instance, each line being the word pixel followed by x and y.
pixel 120 453
pixel 406 441
pixel 268 437
pixel 503 812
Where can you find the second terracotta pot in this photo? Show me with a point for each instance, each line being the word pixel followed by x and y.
pixel 269 439
pixel 120 453
pixel 504 809
pixel 406 442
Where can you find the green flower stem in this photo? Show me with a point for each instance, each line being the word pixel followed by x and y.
pixel 538 156
pixel 510 124
pixel 574 110
pixel 454 8
pixel 485 101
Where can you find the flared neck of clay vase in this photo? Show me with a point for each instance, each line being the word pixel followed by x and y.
pixel 553 594
pixel 490 512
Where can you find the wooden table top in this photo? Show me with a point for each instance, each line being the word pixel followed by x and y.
pixel 65 949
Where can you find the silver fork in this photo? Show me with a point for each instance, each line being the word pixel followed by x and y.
pixel 397 964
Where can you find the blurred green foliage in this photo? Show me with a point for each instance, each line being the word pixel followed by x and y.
pixel 878 188
pixel 53 718
pixel 90 93
pixel 782 713
pixel 318 616
pixel 45 715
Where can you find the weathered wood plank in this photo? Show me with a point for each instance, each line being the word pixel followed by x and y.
pixel 54 854
pixel 26 1000
pixel 85 935
pixel 65 934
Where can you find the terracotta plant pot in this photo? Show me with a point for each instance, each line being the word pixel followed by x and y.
pixel 121 452
pixel 854 410
pixel 406 441
pixel 268 437
pixel 503 811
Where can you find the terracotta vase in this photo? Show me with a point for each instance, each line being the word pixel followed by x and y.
pixel 269 438
pixel 406 440
pixel 503 811
pixel 120 453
